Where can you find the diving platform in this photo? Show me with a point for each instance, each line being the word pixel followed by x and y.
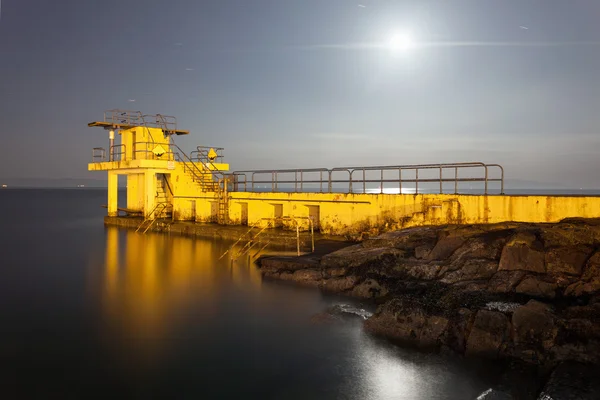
pixel 166 183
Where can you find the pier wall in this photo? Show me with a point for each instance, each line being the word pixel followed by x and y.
pixel 355 213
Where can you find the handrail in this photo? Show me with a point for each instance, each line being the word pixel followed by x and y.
pixel 98 153
pixel 351 178
pixel 122 153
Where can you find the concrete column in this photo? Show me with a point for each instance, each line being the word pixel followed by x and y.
pixel 149 192
pixel 135 191
pixel 113 193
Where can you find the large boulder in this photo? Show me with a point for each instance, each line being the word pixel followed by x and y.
pixel 567 260
pixel 533 286
pixel 590 279
pixel 523 253
pixel 533 330
pixel 489 334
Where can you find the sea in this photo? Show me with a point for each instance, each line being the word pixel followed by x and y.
pixel 88 311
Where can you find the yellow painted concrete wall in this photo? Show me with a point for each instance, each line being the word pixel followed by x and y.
pixel 341 213
pixel 355 213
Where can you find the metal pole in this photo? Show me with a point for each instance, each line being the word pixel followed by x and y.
pixel 364 182
pixel 486 180
pixel 400 180
pixel 298 238
pixel 111 141
pixel 455 180
pixel 441 187
pixel 416 180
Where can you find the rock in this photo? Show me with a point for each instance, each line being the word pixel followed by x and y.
pixel 336 272
pixel 445 247
pixel 408 322
pixel 533 287
pixel 567 260
pixel 369 289
pixel 359 257
pixel 488 246
pixel 456 334
pixel 489 333
pixel 410 269
pixel 522 253
pixel 534 329
pixel 572 381
pixel 307 277
pixel 423 251
pixel 474 269
pixel 567 234
pixel 505 281
pixel 494 394
pixel 405 239
pixel 340 284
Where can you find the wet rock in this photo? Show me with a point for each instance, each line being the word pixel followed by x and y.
pixel 573 381
pixel 456 335
pixel 347 310
pixel 489 333
pixel 534 329
pixel 408 322
pixel 537 288
pixel 494 394
pixel 340 284
pixel 522 253
pixel 339 312
pixel 368 289
pixel 307 277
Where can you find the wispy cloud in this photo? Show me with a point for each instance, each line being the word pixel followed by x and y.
pixel 339 136
pixel 431 44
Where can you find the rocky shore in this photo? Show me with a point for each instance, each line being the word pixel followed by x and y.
pixel 512 291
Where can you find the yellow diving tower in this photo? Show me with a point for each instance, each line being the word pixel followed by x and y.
pixel 165 183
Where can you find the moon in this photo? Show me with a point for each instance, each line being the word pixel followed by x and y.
pixel 401 42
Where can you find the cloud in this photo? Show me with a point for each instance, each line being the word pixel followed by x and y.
pixel 339 136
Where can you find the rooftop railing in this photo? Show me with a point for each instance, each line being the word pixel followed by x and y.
pixel 422 178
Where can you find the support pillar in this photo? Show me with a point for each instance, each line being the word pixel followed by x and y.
pixel 149 193
pixel 113 194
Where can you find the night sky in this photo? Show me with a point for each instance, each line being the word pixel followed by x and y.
pixel 309 83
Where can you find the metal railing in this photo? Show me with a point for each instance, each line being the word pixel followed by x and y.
pixel 390 179
pixel 98 154
pixel 145 151
pixel 136 118
pixel 118 152
pixel 201 154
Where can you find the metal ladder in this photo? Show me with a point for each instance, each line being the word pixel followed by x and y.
pixel 147 223
pixel 223 202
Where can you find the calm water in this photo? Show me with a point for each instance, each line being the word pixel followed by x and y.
pixel 91 311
